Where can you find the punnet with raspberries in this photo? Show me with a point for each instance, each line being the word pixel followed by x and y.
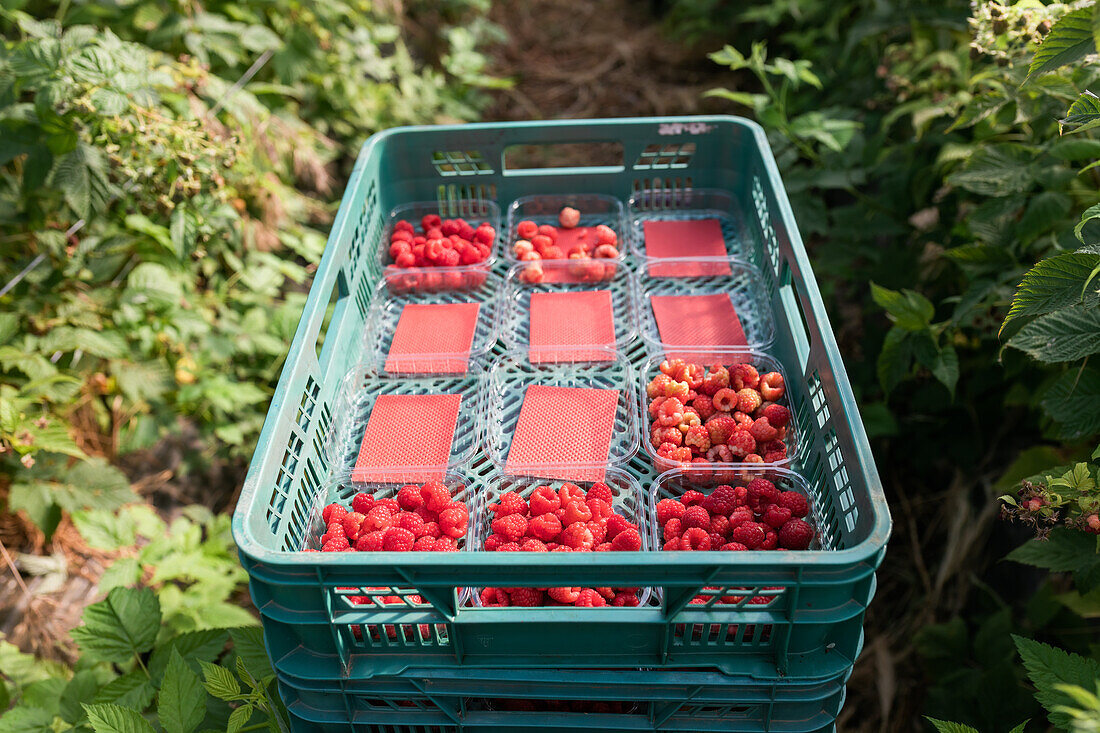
pixel 584 230
pixel 424 249
pixel 719 408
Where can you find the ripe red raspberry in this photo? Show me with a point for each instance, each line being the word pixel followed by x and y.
pixel 545 527
pixel 379 517
pixel 334 530
pixel 493 597
pixel 697 438
pixel 397 539
pixel 671 412
pixel 796 535
pixel 436 496
pixel 771 540
pixel 718 377
pixel 541 242
pixel 671 435
pixel 617 523
pixel 569 217
pixel 627 541
pixel 794 501
pixel 527 229
pixel 625 599
pixel 333 513
pixel 668 509
pixel 598 530
pixel 567 596
pixel 716 540
pixel 762 492
pixel 403 226
pixel 607 593
pixel 410 521
pixel 725 400
pixel 600 509
pixel 409 497
pixel 588 597
pixel 431 221
pixel 511 527
pixel 719 454
pixel 445 544
pixel 695 539
pixel 532 545
pixel 543 500
pixel 454 520
pixel 741 443
pixel 426 514
pixel 671 545
pixel 362 502
pixel 431 529
pixel 742 419
pixel 509 503
pixel 720 428
pixel 776 516
pixel 744 375
pixel 733 547
pixel 601 491
pixel 485 234
pixel 571 492
pixel 525 597
pixel 740 515
pixel 749 534
pixel 578 536
pixel 606 235
pixel 691 497
pixel 771 386
pixel 370 541
pixel 674 528
pixel 719 501
pixel 762 430
pixel 748 399
pixel 777 415
pixel 704 406
pixel 720 525
pixel 493 542
pixel 389 503
pixel 424 544
pixel 695 516
pixel 576 511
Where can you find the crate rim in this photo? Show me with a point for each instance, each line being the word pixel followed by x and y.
pixel 308 330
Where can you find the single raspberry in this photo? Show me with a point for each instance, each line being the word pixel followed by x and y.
pixel 671 412
pixel 691 497
pixel 362 502
pixel 390 503
pixel 527 229
pixel 532 545
pixel 511 527
pixel 718 377
pixel 525 597
pixel 777 456
pixel 748 399
pixel 370 541
pixel 671 366
pixel 588 597
pixel 424 544
pixel 379 517
pixel 493 597
pixel 410 521
pixel 695 539
pixel 336 544
pixel 692 374
pixel 656 386
pixel 605 251
pixel 569 217
pixel 600 509
pixel 777 415
pixel 409 497
pixel 719 454
pixel 545 527
pixel 762 492
pixel 607 593
pixel 749 534
pixel 485 234
pixel 762 430
pixel 743 419
pixel 493 542
pixel 796 535
pixel 445 544
pixel 334 530
pixel 598 530
pixel 771 386
pixel 776 516
pixel 454 520
pixel 627 541
pixel 794 501
pixel 671 545
pixel 431 529
pixel 720 524
pixel 541 242
pixel 567 596
pixel 753 458
pixel 771 540
pixel 576 511
pixel 404 226
pixel 668 509
pixel 697 438
pixel 333 513
pixel 578 536
pixel 397 539
pixel 509 503
pixel 436 496
pixel 741 443
pixel 601 491
pixel 670 435
pixel 544 499
pixel 733 547
pixel 679 390
pixel 744 375
pixel 570 491
pixel 625 599
pixel 740 515
pixel 606 235
pixel 674 528
pixel 617 523
pixel 720 427
pixel 704 406
pixel 695 516
pixel 716 539
pixel 725 400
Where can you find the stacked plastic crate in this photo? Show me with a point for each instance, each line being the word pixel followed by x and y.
pixel 403 641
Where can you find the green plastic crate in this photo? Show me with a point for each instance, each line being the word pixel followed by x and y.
pixel 816 629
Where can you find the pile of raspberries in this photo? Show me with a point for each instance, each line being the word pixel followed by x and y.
pixel 441 243
pixel 720 414
pixel 536 243
pixel 566 520
pixel 757 516
pixel 419 518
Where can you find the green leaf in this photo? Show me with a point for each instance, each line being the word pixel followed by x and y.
pixel 110 718
pixel 908 309
pixel 220 682
pixel 1073 401
pixel 945 368
pixel 1048 667
pixel 894 359
pixel 1054 283
pixel 123 572
pixel 1021 727
pixel 747 99
pixel 248 645
pixel 1093 212
pixel 26 720
pixel 238 718
pixel 121 626
pixel 182 702
pixel 1083 114
pixel 81 688
pixel 996 170
pixel 131 690
pixel 81 175
pixel 944 726
pixel 194 646
pixel 1075 148
pixel 1066 335
pixel 1066 550
pixel 1070 39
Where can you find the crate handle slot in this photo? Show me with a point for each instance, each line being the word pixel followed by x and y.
pixel 565 158
pixel 333 313
pixel 796 316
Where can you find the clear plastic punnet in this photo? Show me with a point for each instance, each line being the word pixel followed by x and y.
pixel 719 280
pixel 704 218
pixel 595 209
pixel 706 358
pixel 474 210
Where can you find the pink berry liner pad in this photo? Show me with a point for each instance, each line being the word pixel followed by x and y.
pixel 562 323
pixel 433 337
pixel 691 238
pixel 406 430
pixel 694 321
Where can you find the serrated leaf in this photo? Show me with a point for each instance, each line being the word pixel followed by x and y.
pixel 110 718
pixel 1065 551
pixel 121 626
pixel 996 170
pixel 248 645
pixel 945 368
pixel 1066 335
pixel 123 572
pixel 238 718
pixel 1093 212
pixel 81 175
pixel 26 720
pixel 81 688
pixel 219 681
pixel 193 646
pixel 1069 39
pixel 944 726
pixel 1073 401
pixel 1048 667
pixel 908 309
pixel 181 705
pixel 131 690
pixel 1083 114
pixel 1054 283
pixel 894 359
pixel 146 380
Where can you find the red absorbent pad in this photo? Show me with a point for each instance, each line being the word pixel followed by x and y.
pixel 563 425
pixel 408 430
pixel 433 337
pixel 562 322
pixel 697 321
pixel 693 238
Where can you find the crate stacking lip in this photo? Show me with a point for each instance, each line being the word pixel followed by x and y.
pixel 812 629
